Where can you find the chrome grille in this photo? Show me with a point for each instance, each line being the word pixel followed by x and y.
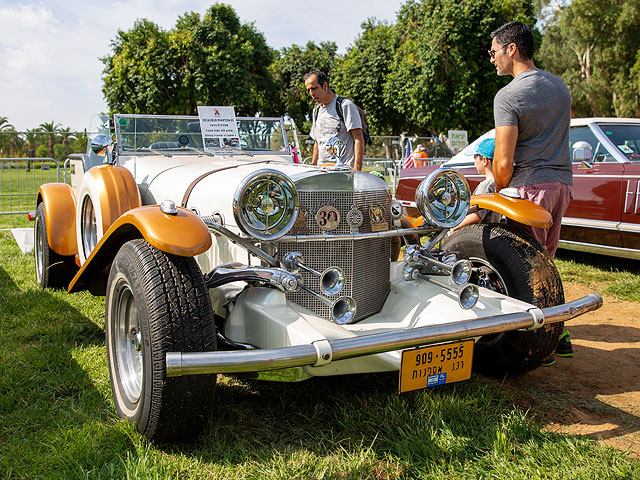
pixel 365 262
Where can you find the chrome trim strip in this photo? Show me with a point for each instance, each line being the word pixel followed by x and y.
pixel 601 224
pixel 196 363
pixel 584 222
pixel 600 249
pixel 399 232
pixel 629 227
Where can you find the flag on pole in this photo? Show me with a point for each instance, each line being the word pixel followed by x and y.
pixel 408 157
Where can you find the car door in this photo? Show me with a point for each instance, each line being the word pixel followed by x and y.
pixel 595 212
pixel 626 137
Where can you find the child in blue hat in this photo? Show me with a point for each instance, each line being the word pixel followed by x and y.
pixel 482 160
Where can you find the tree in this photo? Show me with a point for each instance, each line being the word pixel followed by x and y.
pixel 441 77
pixel 361 75
pixel 32 140
pixel 61 151
pixel 52 129
pixel 593 46
pixel 288 70
pixel 213 60
pixel 5 128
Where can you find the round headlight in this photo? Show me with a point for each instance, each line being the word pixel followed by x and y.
pixel 265 204
pixel 443 198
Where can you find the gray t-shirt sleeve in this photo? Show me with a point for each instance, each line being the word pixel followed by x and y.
pixel 351 115
pixel 504 114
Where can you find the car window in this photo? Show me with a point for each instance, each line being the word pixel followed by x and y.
pixel 584 134
pixel 625 137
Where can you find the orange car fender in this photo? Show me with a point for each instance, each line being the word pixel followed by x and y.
pixel 518 209
pixel 60 215
pixel 111 191
pixel 183 234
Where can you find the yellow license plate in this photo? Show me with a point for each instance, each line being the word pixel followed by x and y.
pixel 435 365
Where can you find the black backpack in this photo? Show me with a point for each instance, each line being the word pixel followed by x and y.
pixel 363 118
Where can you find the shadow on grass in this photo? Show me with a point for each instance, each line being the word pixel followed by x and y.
pixel 602 262
pixel 334 417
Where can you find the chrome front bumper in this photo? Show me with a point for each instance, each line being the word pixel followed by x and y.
pixel 325 351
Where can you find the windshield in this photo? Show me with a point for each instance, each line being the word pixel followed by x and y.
pixel 625 137
pixel 181 134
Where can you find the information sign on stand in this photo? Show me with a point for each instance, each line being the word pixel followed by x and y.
pixel 457 140
pixel 219 130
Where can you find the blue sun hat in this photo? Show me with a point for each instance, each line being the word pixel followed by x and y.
pixel 486 148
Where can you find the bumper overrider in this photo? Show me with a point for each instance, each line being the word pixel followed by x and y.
pixel 325 351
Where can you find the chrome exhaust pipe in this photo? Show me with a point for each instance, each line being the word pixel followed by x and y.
pixel 331 280
pixel 468 294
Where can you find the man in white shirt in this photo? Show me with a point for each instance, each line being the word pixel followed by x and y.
pixel 328 123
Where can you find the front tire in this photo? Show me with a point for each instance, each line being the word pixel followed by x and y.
pixel 52 270
pixel 509 261
pixel 158 303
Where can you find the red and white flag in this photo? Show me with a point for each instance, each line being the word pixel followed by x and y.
pixel 408 158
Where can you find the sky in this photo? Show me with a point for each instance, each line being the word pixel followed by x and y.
pixel 49 50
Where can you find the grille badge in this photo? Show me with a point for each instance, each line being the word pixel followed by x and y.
pixel 354 219
pixel 376 217
pixel 328 217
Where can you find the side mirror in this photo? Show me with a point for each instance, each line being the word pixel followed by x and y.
pixel 582 152
pixel 101 145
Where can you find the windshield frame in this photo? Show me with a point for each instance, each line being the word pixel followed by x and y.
pixel 122 152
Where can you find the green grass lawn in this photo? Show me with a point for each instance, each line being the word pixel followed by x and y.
pixel 57 418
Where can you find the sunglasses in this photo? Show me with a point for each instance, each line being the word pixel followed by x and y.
pixel 492 53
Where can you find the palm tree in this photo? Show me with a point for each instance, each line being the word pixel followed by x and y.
pixel 32 140
pixel 4 127
pixel 52 129
pixel 13 142
pixel 66 135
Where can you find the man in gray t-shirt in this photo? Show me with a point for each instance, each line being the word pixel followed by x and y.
pixel 532 115
pixel 327 123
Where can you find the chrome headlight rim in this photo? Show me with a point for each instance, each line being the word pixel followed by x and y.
pixel 443 198
pixel 288 203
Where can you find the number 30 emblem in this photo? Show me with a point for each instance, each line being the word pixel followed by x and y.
pixel 328 217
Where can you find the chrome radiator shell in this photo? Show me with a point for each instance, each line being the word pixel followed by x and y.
pixel 366 262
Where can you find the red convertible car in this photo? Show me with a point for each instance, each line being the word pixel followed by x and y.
pixel 604 213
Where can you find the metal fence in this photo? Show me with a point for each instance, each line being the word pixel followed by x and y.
pixel 390 147
pixel 20 179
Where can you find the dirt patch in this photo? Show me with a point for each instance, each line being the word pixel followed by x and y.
pixel 597 391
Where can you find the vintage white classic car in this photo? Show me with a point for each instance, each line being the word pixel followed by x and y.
pixel 249 262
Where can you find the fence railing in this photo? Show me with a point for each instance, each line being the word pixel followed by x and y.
pixel 390 147
pixel 20 179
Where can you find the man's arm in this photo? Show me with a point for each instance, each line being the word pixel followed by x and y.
pixel 358 147
pixel 314 157
pixel 506 139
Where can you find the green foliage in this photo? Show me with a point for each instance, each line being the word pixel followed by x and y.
pixel 214 60
pixel 441 77
pixel 288 70
pixel 361 75
pixel 42 151
pixel 61 152
pixel 593 46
